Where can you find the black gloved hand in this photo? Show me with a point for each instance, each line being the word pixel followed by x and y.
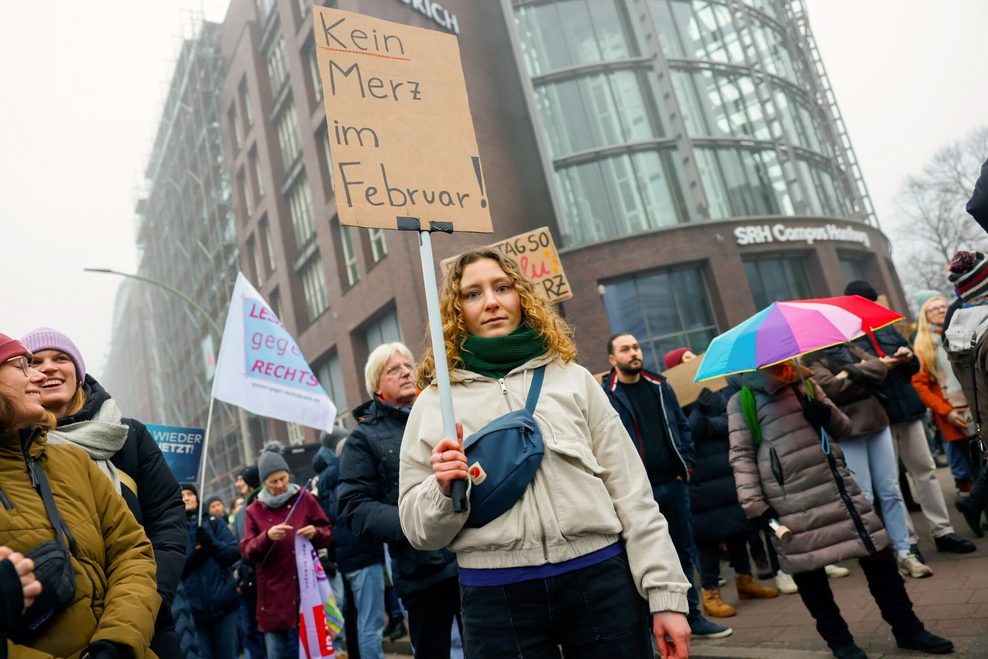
pixel 104 650
pixel 817 413
pixel 705 399
pixel 762 520
pixel 203 537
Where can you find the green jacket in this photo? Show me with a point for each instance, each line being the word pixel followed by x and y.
pixel 116 597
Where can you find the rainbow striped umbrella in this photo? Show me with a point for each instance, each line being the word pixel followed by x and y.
pixel 785 330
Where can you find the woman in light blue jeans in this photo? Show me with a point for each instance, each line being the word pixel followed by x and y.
pixel 851 377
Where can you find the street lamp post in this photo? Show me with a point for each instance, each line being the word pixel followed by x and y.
pixel 241 414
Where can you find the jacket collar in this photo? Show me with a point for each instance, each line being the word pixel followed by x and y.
pixel 611 381
pixel 463 375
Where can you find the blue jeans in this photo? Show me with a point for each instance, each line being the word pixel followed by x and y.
pixel 871 460
pixel 218 639
pixel 958 457
pixel 673 498
pixel 594 612
pixel 282 644
pixel 367 585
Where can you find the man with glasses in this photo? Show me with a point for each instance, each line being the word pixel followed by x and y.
pixel 426 581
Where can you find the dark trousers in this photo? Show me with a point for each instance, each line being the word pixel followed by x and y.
pixel 673 498
pixel 887 589
pixel 592 612
pixel 737 555
pixel 430 618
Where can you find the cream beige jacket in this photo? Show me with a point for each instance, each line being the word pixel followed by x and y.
pixel 590 491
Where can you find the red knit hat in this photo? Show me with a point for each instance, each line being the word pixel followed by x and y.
pixel 10 348
pixel 674 357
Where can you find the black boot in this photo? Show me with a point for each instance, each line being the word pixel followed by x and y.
pixel 972 514
pixel 924 641
pixel 889 592
pixel 849 651
pixel 814 590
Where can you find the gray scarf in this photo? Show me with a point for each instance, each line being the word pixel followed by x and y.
pixel 101 437
pixel 272 501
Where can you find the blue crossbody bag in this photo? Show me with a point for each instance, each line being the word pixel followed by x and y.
pixel 502 459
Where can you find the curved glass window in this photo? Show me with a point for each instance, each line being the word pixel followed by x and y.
pixel 569 33
pixel 619 196
pixel 596 111
pixel 718 104
pixel 741 182
pixel 823 195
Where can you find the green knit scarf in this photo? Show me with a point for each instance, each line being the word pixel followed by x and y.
pixel 496 356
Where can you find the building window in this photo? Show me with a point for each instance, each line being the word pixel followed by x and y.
pixel 383 330
pixel 245 109
pixel 378 248
pixel 330 376
pixel 254 262
pixel 303 7
pixel 349 255
pixel 743 182
pixel 664 310
pixel 277 65
pixel 296 433
pixel 266 245
pixel 777 278
pixel 264 8
pixel 255 173
pixel 328 157
pixel 855 266
pixel 300 204
pixel 238 133
pixel 274 301
pixel 287 127
pixel 314 73
pixel 314 287
pixel 246 196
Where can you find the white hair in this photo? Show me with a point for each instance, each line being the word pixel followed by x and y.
pixel 378 358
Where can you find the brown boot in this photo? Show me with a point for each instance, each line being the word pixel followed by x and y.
pixel 714 606
pixel 748 589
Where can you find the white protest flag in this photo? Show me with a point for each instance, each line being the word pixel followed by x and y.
pixel 261 369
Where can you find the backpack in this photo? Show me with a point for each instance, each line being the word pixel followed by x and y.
pixel 503 457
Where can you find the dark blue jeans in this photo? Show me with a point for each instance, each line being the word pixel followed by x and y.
pixel 592 612
pixel 673 498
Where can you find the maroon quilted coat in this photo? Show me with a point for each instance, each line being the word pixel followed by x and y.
pixel 277 575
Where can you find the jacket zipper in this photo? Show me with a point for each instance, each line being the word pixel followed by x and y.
pixel 504 387
pixel 846 498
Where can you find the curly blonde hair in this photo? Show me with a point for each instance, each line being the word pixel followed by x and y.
pixel 537 312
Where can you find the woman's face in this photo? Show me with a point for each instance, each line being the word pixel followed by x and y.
pixel 936 311
pixel 276 483
pixel 490 304
pixel 60 381
pixel 20 385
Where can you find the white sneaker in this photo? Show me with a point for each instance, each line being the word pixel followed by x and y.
pixel 836 571
pixel 784 583
pixel 910 566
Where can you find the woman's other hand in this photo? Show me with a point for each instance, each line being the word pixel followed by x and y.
pixel 25 571
pixel 449 463
pixel 307 532
pixel 958 418
pixel 278 531
pixel 672 634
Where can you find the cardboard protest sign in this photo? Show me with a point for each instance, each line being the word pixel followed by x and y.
pixel 536 255
pixel 261 368
pixel 680 378
pixel 181 448
pixel 399 124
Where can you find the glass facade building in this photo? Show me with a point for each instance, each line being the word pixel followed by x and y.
pixel 663 112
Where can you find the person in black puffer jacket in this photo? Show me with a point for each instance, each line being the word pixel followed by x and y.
pixel 426 581
pixel 207 581
pixel 125 451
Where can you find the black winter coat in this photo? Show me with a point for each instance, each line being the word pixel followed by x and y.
pixel 368 497
pixel 896 394
pixel 978 205
pixel 351 551
pixel 713 493
pixel 157 504
pixel 207 581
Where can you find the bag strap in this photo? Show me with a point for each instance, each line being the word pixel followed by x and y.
pixel 535 389
pixel 40 482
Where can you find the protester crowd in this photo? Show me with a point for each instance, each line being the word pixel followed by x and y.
pixel 593 505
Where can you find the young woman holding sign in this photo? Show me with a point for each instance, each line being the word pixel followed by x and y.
pixel 124 450
pixel 583 556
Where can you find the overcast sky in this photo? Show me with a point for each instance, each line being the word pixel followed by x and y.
pixel 83 86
